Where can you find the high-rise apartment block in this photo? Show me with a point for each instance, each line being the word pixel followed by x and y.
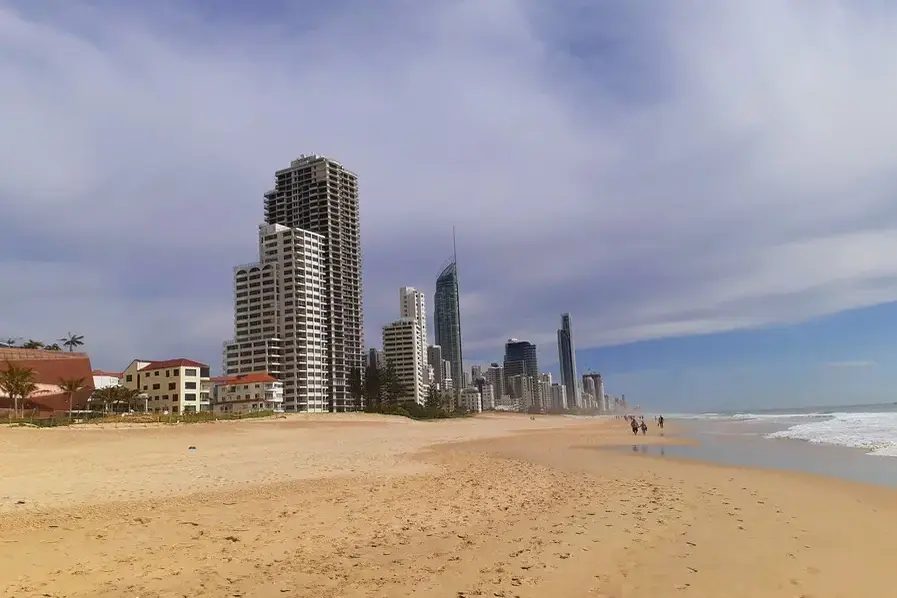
pixel 401 348
pixel 279 326
pixel 436 366
pixel 593 385
pixel 412 305
pixel 298 310
pixel 495 375
pixel 559 396
pixel 521 360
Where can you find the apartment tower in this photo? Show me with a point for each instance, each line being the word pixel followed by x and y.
pixel 521 360
pixel 412 304
pixel 319 195
pixel 298 311
pixel 279 326
pixel 401 349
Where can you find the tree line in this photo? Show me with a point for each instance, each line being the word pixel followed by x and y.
pixel 379 390
pixel 70 341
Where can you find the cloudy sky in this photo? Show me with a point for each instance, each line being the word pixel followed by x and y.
pixel 660 170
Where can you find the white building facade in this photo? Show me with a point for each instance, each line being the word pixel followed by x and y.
pixel 471 399
pixel 412 305
pixel 401 350
pixel 247 393
pixel 279 322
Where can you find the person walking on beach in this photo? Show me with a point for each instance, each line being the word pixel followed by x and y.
pixel 634 426
pixel 660 421
pixel 644 428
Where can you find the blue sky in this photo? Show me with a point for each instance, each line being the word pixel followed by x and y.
pixel 845 358
pixel 675 175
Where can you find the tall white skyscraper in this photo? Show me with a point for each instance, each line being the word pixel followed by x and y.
pixel 401 349
pixel 318 194
pixel 298 309
pixel 412 305
pixel 278 324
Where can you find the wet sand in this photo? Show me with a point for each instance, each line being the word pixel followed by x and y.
pixel 366 506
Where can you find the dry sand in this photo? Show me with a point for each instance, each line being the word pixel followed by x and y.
pixel 360 506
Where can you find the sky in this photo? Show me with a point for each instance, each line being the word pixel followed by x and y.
pixel 700 184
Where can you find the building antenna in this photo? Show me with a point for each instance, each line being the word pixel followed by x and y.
pixel 458 299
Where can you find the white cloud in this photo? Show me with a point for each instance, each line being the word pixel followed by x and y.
pixel 690 171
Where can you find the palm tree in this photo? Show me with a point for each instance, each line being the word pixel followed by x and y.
pixel 17 383
pixel 72 340
pixel 108 396
pixel 71 386
pixel 53 347
pixel 128 396
pixel 32 344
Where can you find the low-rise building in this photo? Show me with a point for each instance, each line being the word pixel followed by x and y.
pixel 49 368
pixel 171 386
pixel 246 393
pixel 102 379
pixel 471 399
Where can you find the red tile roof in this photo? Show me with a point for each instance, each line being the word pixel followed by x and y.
pixel 174 363
pixel 50 367
pixel 105 373
pixel 253 378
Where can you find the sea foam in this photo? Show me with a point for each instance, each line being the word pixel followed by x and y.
pixel 875 432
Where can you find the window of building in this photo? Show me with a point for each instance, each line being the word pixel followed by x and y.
pixel 172 385
pixel 145 387
pixel 156 386
pixel 174 397
pixel 189 396
pixel 190 372
pixel 168 373
pixel 190 385
pixel 156 373
pixel 128 378
pixel 175 372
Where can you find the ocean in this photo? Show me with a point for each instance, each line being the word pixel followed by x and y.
pixel 854 442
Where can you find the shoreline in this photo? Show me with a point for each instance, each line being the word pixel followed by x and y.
pixel 481 507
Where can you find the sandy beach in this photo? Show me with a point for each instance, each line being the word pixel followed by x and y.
pixel 370 506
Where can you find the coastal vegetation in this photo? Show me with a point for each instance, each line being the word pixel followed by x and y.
pixel 381 391
pixel 17 383
pixel 70 341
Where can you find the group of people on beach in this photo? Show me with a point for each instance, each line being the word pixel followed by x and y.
pixel 638 423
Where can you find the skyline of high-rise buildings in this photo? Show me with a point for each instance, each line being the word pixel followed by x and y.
pixel 298 312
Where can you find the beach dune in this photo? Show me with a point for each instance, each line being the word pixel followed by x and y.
pixel 371 506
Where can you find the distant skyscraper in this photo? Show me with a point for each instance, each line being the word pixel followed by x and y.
pixel 412 304
pixel 447 320
pixel 521 360
pixel 567 358
pixel 496 377
pixel 435 361
pixel 595 386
